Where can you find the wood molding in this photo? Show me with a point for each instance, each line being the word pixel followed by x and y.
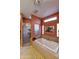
pixel 21 40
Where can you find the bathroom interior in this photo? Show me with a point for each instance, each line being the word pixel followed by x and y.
pixel 39 29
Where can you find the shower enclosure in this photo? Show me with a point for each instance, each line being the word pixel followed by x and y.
pixel 26 33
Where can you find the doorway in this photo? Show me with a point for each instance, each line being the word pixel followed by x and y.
pixel 26 33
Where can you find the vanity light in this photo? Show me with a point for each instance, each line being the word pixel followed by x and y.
pixel 51 19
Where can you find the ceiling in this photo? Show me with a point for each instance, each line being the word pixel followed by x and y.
pixel 46 7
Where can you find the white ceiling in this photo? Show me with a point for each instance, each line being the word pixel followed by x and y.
pixel 46 8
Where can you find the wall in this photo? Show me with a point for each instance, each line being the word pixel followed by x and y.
pixel 51 23
pixel 36 20
pixel 26 20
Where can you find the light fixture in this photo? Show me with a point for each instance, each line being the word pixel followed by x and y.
pixel 30 17
pixel 51 19
pixel 37 2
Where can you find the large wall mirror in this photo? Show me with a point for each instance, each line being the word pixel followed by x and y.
pixel 49 28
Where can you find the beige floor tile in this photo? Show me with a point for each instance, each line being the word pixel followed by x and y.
pixel 30 53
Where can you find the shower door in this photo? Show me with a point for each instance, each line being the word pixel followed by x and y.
pixel 26 33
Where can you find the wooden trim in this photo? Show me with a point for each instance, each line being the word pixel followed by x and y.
pixel 36 17
pixel 31 33
pixel 21 40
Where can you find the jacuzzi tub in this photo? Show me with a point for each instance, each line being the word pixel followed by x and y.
pixel 46 46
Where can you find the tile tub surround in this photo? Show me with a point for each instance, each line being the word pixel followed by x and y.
pixel 51 38
pixel 51 45
pixel 48 54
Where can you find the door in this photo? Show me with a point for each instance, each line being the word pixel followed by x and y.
pixel 26 33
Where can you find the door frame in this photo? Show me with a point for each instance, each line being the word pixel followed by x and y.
pixel 31 32
pixel 21 40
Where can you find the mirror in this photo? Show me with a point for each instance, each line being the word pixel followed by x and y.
pixel 49 28
pixel 36 28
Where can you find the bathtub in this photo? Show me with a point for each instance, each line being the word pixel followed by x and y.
pixel 46 47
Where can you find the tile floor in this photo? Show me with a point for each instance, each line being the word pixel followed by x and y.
pixel 28 52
